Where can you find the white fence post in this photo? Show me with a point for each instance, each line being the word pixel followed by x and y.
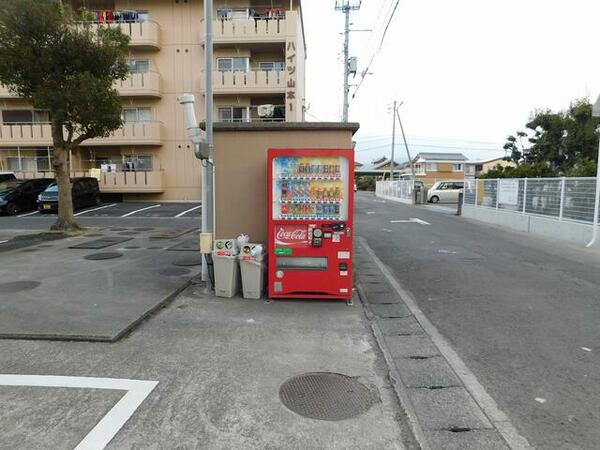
pixel 476 189
pixel 497 196
pixel 562 198
pixel 525 196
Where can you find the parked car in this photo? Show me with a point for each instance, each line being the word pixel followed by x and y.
pixel 21 195
pixel 85 192
pixel 445 191
pixel 7 176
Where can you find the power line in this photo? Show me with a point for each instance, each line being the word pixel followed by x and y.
pixel 366 71
pixel 464 148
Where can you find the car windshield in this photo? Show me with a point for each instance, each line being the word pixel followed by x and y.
pixel 9 186
pixel 52 188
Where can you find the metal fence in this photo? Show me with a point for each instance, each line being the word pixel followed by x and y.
pixel 559 198
pixel 401 190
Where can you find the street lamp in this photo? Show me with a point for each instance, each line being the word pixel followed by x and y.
pixel 596 113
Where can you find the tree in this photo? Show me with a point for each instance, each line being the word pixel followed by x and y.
pixel 60 63
pixel 556 144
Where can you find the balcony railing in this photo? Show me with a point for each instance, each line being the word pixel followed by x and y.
pixel 131 182
pixel 250 30
pixel 250 82
pixel 252 115
pixel 140 85
pixel 143 35
pixel 132 133
pixel 112 182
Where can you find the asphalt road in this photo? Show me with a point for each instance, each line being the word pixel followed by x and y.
pixel 522 312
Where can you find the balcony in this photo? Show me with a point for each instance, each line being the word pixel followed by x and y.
pixel 40 134
pixel 249 30
pixel 113 182
pixel 142 35
pixel 140 85
pixel 250 82
pixel 131 182
pixel 132 133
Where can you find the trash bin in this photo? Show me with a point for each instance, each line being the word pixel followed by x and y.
pixel 226 267
pixel 252 267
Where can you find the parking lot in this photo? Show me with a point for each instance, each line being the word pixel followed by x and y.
pixel 126 213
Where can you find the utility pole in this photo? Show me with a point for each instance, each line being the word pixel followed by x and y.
pixel 207 166
pixel 393 141
pixel 346 7
pixel 410 161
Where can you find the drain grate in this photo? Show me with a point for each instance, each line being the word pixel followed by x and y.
pixel 326 396
pixel 18 286
pixel 102 256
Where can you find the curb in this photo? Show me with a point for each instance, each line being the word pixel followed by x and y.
pixel 397 384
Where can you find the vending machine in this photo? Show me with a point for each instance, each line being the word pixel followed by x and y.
pixel 311 209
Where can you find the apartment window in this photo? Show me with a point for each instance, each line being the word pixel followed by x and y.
pixel 457 167
pixel 431 167
pixel 274 66
pixel 233 114
pixel 469 169
pixel 233 14
pixel 237 64
pixel 131 115
pixel 24 116
pixel 139 65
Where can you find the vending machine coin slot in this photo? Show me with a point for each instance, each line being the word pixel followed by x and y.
pixel 317 237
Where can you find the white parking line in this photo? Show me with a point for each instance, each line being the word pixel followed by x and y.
pixel 28 214
pixel 189 210
pixel 2 242
pixel 140 210
pixel 113 421
pixel 95 209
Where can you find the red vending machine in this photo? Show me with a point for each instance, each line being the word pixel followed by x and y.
pixel 311 210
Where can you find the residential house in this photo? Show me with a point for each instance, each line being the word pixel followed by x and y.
pixel 259 67
pixel 432 167
pixel 474 169
pixel 379 168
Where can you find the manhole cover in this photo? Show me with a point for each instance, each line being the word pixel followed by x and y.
pixel 174 272
pixel 101 256
pixel 191 261
pixel 326 396
pixel 18 286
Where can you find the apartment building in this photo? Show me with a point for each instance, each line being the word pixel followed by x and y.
pixel 259 66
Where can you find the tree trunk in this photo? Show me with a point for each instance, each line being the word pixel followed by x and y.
pixel 66 220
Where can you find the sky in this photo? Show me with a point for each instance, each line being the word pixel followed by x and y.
pixel 469 72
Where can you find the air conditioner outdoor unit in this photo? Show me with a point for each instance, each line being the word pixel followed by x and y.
pixel 266 110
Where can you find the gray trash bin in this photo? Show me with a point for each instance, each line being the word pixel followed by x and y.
pixel 227 269
pixel 253 272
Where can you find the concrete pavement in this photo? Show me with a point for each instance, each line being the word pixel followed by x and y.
pixel 521 312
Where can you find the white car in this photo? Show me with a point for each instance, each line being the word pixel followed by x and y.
pixel 445 191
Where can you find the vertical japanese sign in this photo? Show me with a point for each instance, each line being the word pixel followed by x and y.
pixel 290 91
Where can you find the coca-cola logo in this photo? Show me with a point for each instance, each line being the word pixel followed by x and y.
pixel 289 235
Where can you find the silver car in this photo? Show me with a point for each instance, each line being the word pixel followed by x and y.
pixel 445 191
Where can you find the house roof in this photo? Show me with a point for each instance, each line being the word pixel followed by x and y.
pixel 440 157
pixel 378 164
pixel 485 161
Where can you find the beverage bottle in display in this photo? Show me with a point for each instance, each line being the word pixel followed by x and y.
pixel 319 209
pixel 326 170
pixel 337 210
pixel 285 210
pixel 284 190
pixel 336 194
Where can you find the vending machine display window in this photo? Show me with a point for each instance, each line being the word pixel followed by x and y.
pixel 310 188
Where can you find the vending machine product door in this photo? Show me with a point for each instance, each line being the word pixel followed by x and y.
pixel 310 223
